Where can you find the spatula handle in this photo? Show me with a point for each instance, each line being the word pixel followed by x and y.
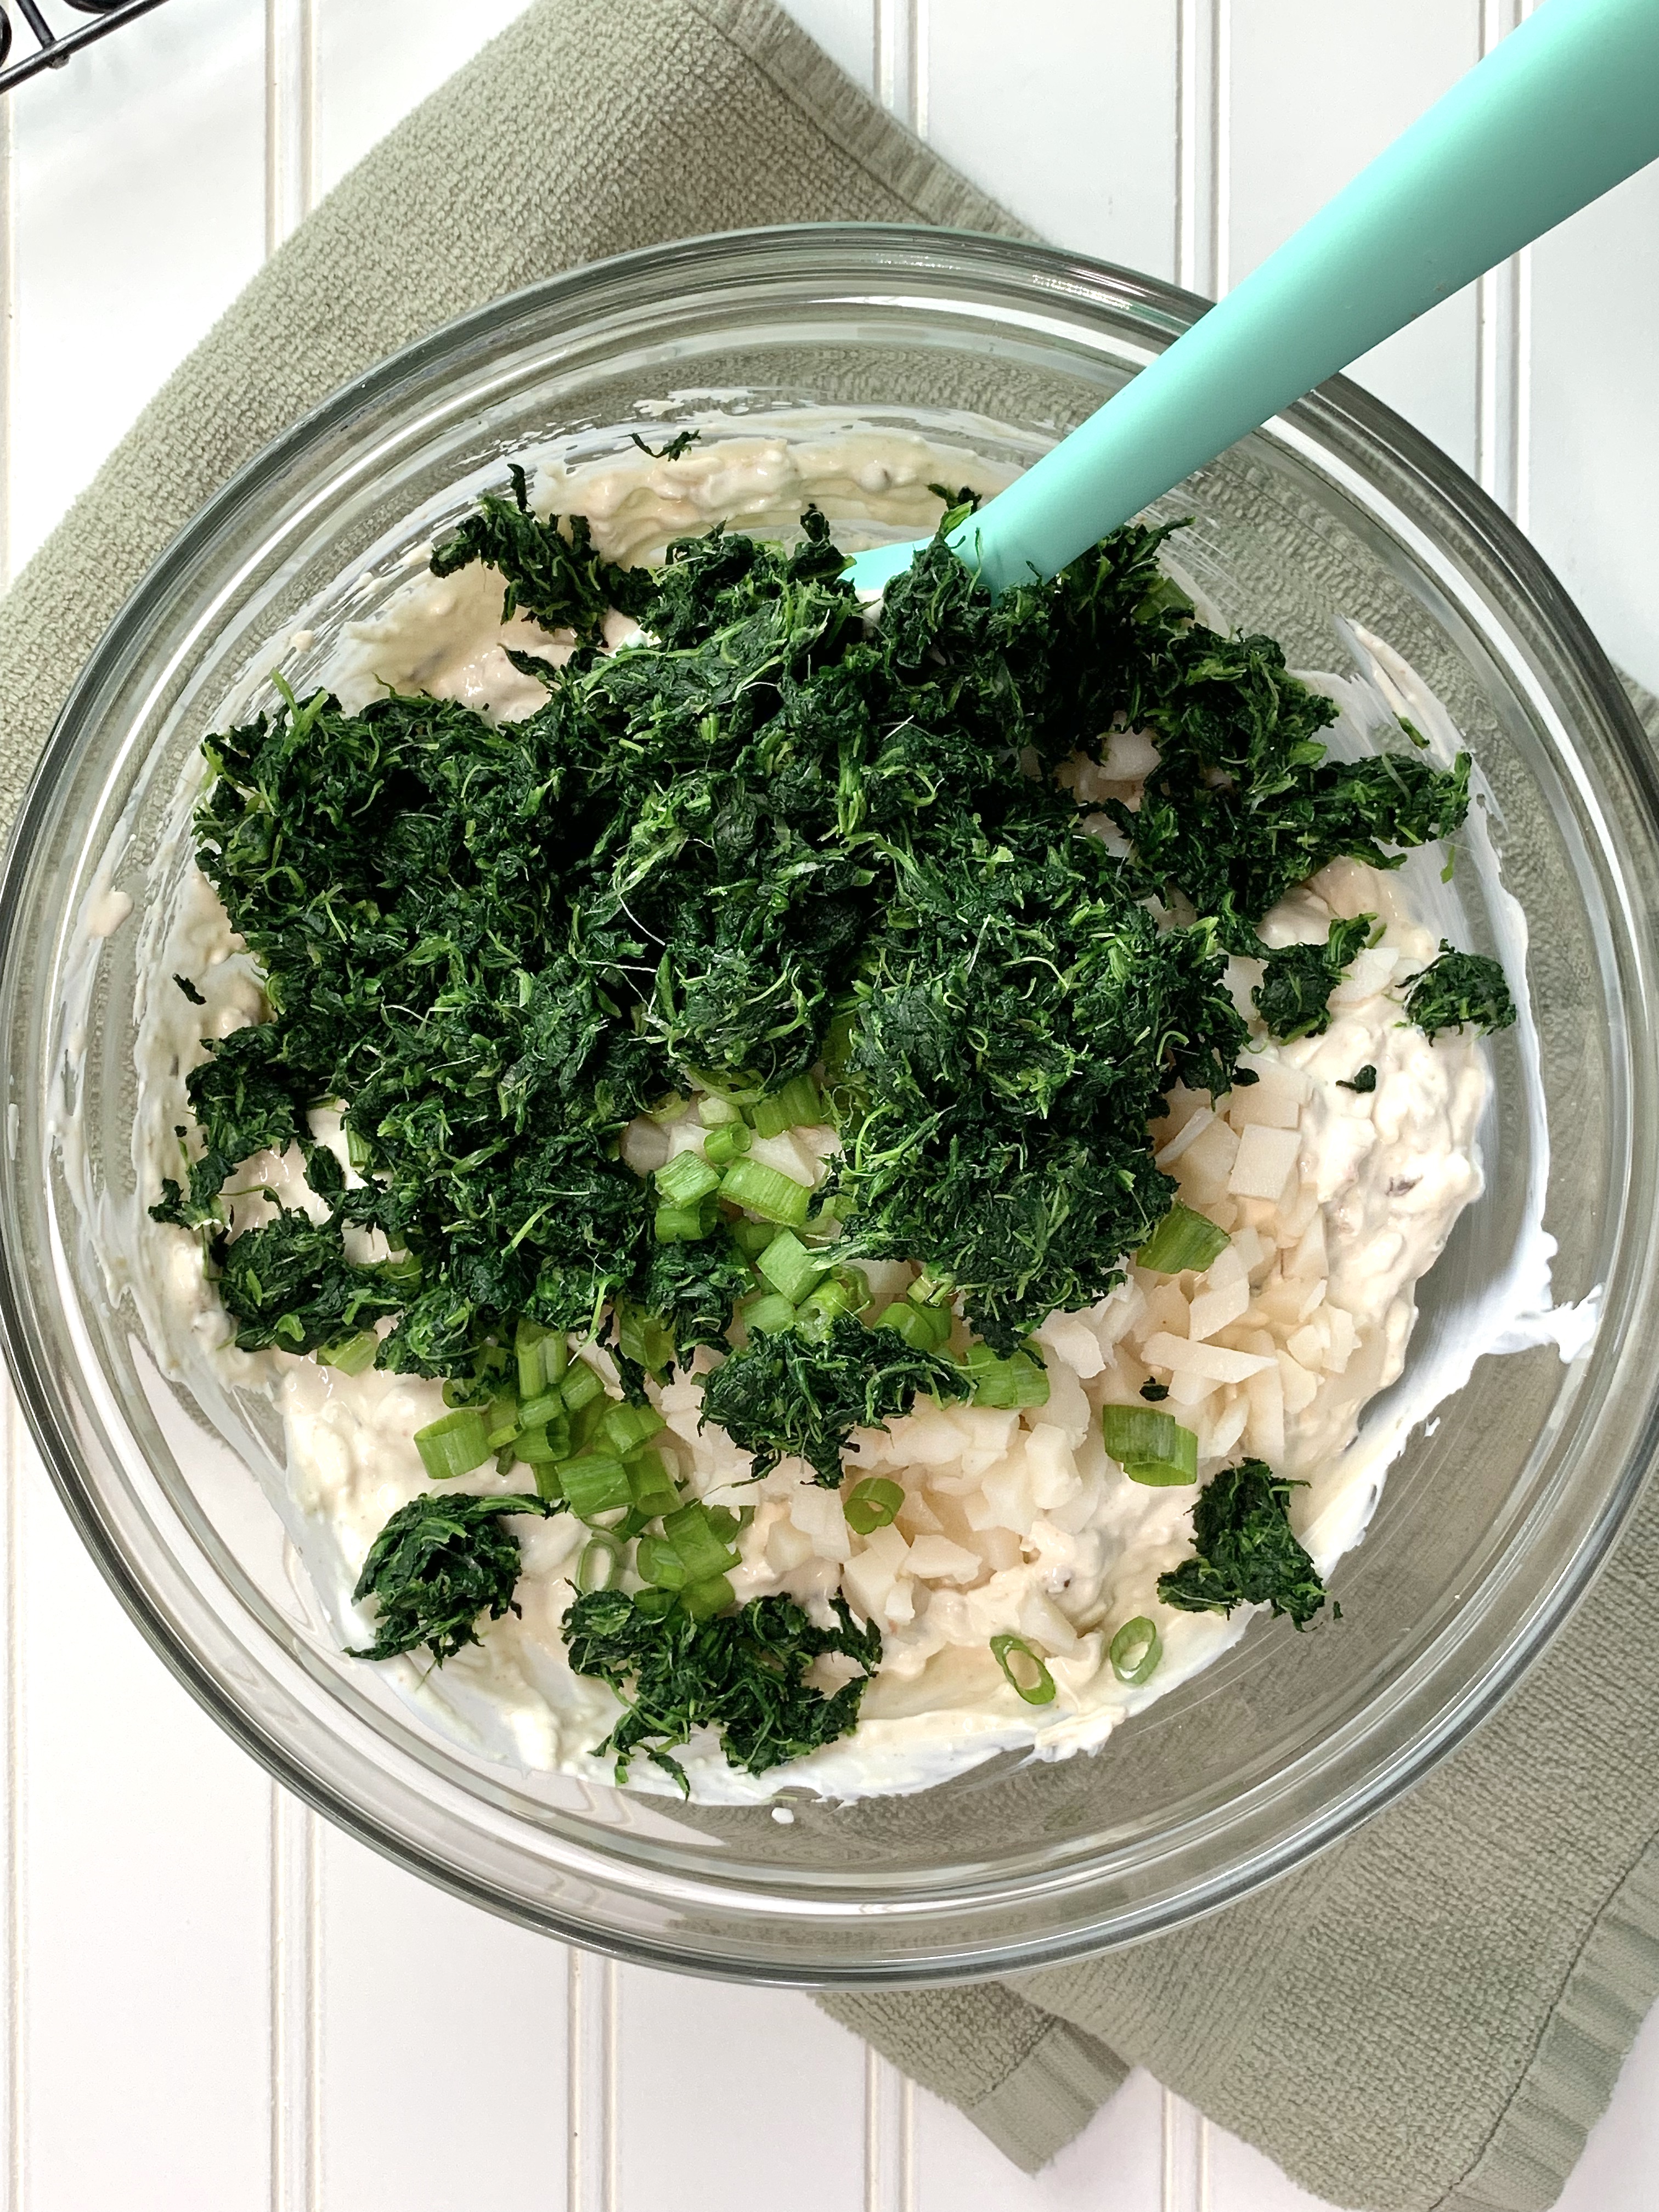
pixel 1563 110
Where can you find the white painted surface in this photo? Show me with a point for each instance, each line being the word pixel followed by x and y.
pixel 216 2003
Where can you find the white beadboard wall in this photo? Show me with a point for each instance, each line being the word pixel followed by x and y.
pixel 216 2003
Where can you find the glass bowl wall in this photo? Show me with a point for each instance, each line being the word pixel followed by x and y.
pixel 1490 1524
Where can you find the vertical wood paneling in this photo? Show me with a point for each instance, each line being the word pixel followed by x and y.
pixel 135 1834
pixel 693 2056
pixel 1594 444
pixel 1315 92
pixel 890 2137
pixel 295 2099
pixel 442 2067
pixel 140 199
pixel 1503 326
pixel 1067 114
pixel 290 116
pixel 592 2060
pixel 370 74
pixel 1203 137
pixel 144 1843
pixel 847 30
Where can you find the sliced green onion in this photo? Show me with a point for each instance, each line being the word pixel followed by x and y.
pixel 600 1564
pixel 825 1226
pixel 924 1328
pixel 687 1224
pixel 543 1355
pixel 844 1292
pixel 797 1106
pixel 873 1504
pixel 350 1355
pixel 702 1550
pixel 581 1385
pixel 1182 1239
pixel 750 1237
pixel 1136 1649
pixel 585 1422
pixel 766 1191
pixel 717 1113
pixel 1138 1432
pixel 597 1482
pixel 455 1444
pixel 727 1525
pixel 769 1316
pixel 685 1179
pixel 641 1335
pixel 657 1562
pixel 1150 1446
pixel 548 1485
pixel 503 1419
pixel 650 1484
pixel 625 1427
pixel 1038 1689
pixel 930 1291
pixel 704 1601
pixel 651 1604
pixel 545 1444
pixel 1017 1381
pixel 727 1143
pixel 789 1266
pixel 532 1411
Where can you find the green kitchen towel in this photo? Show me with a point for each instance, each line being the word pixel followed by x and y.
pixel 1433 2012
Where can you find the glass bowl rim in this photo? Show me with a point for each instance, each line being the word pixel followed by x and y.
pixel 866 250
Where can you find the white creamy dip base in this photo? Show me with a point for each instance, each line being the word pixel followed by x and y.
pixel 1337 1202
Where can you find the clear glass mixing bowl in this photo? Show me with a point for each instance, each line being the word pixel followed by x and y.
pixel 1492 1523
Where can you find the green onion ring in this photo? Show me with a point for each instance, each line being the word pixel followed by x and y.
pixel 1041 1692
pixel 600 1564
pixel 1135 1650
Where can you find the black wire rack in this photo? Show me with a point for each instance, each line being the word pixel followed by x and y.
pixel 53 48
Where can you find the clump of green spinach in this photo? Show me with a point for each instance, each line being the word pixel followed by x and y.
pixel 786 1395
pixel 440 1562
pixel 769 838
pixel 1244 1550
pixel 1457 988
pixel 1293 997
pixel 742 1674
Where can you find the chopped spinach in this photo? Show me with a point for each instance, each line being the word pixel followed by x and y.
pixel 1363 1079
pixel 440 1562
pixel 1292 997
pixel 681 442
pixel 553 575
pixel 786 1395
pixel 742 1673
pixel 1459 987
pixel 1243 1550
pixel 770 840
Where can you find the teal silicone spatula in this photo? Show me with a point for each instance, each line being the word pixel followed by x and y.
pixel 1564 109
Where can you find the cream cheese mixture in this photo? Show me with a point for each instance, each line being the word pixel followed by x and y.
pixel 1336 1202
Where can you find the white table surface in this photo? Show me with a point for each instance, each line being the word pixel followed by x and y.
pixel 215 2002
